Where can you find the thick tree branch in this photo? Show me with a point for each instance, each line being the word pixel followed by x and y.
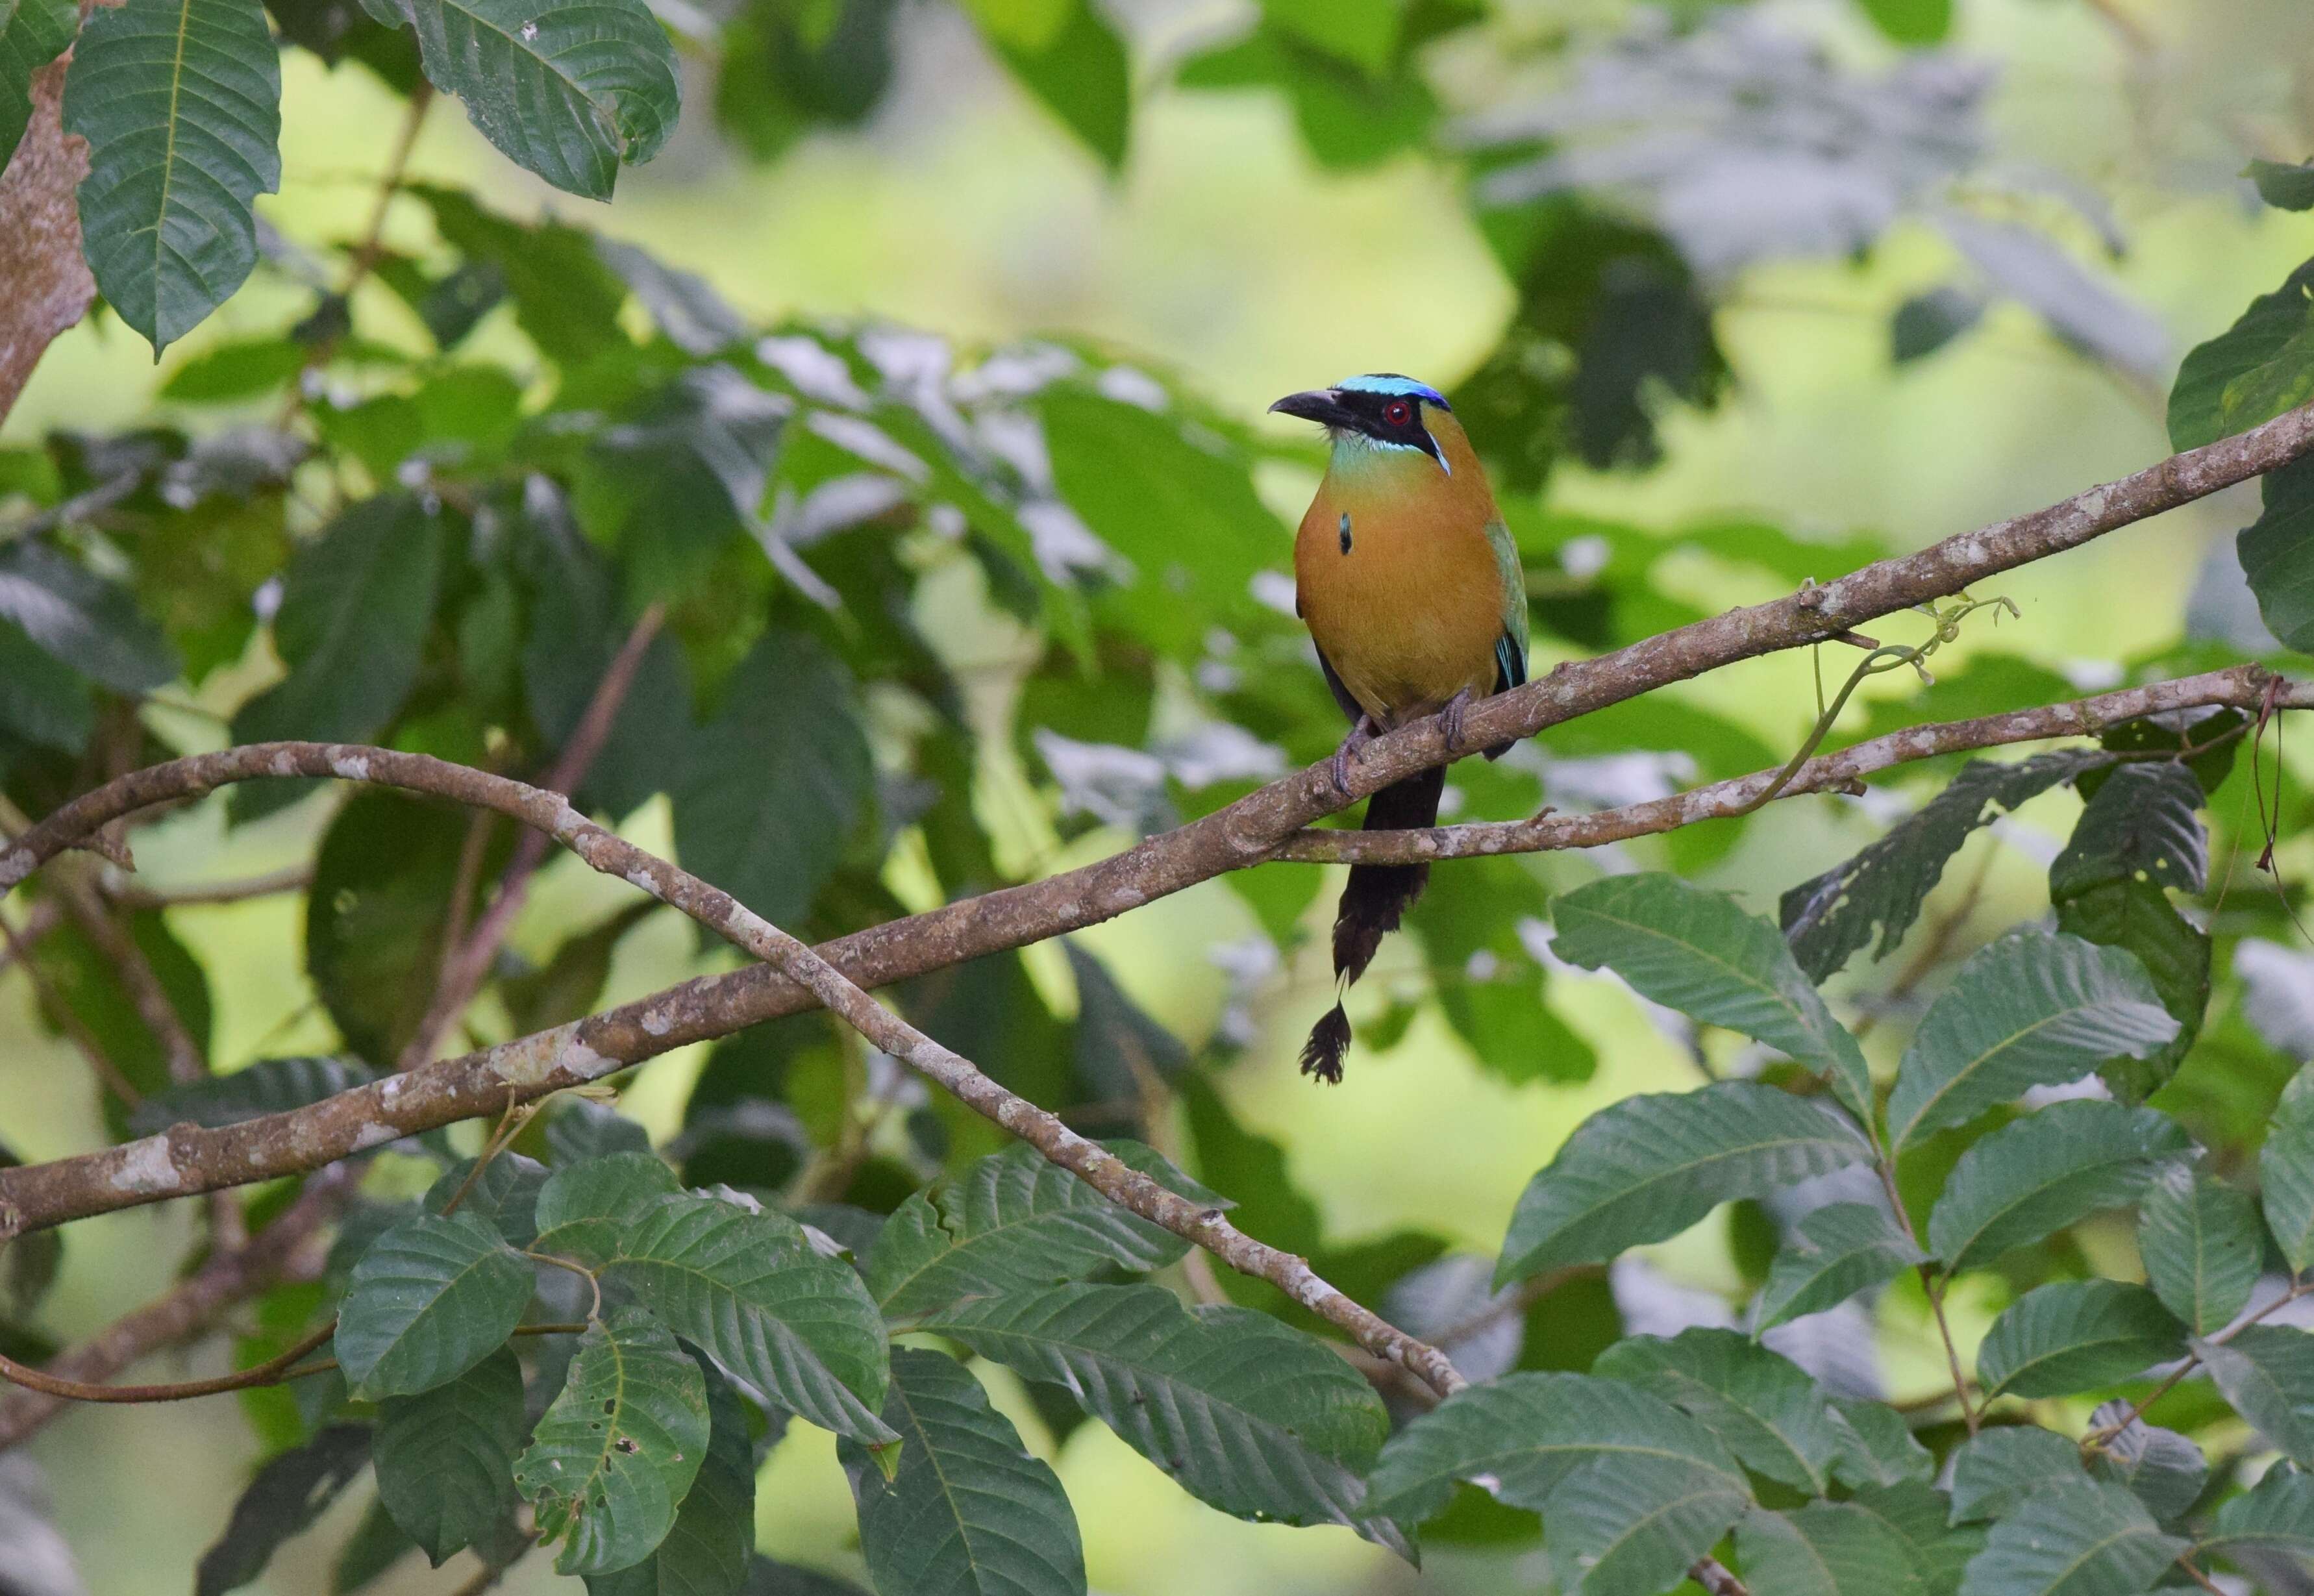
pixel 2243 687
pixel 49 285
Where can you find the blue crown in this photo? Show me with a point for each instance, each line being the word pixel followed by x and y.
pixel 1390 382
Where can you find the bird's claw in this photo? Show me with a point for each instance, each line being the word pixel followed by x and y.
pixel 1353 748
pixel 1450 720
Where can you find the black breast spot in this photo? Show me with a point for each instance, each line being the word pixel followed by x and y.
pixel 1346 532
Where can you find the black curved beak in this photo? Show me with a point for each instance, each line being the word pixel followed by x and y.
pixel 1322 405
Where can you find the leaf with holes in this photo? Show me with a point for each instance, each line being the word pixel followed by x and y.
pixel 2044 1171
pixel 1645 1168
pixel 446 1457
pixel 2030 1009
pixel 2285 1171
pixel 1699 953
pixel 1015 1221
pixel 429 1301
pixel 1834 1253
pixel 269 1086
pixel 616 1451
pixel 181 103
pixel 706 1552
pixel 568 89
pixel 2200 1243
pixel 2267 1373
pixel 2138 918
pixel 2074 1335
pixel 1771 1414
pixel 1248 1415
pixel 1826 1548
pixel 967 1511
pixel 2143 823
pixel 2075 1538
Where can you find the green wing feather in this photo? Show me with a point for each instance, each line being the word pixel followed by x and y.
pixel 1510 648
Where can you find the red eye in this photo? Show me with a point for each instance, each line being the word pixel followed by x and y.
pixel 1397 412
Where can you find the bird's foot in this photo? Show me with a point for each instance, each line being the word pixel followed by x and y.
pixel 1353 748
pixel 1450 720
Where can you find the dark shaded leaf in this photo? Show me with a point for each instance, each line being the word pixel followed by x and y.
pixel 2042 1172
pixel 1927 322
pixel 505 1194
pixel 82 620
pixel 267 1085
pixel 2285 1171
pixel 2137 917
pixel 2142 823
pixel 33 34
pixel 1773 1414
pixel 2283 186
pixel 2252 372
pixel 2079 1538
pixel 2075 1336
pixel 1921 1515
pixel 2277 553
pixel 1081 74
pixel 2277 1516
pixel 430 1298
pixel 1834 1253
pixel 1826 1548
pixel 2200 1243
pixel 288 1494
pixel 695 318
pixel 446 1457
pixel 2166 1471
pixel 375 1546
pixel 2267 1373
pixel 706 1552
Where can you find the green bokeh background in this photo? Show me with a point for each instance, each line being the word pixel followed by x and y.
pixel 1225 255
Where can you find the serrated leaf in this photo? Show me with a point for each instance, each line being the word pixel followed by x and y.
pixel 446 1457
pixel 616 1451
pixel 2250 373
pixel 430 1298
pixel 1624 1523
pixel 355 604
pixel 2200 1243
pixel 1248 1415
pixel 1520 1437
pixel 290 1492
pixel 2277 555
pixel 770 834
pixel 1828 918
pixel 1699 953
pixel 78 618
pixel 967 1511
pixel 1771 1414
pixel 33 34
pixel 2074 1335
pixel 1826 1548
pixel 2285 1171
pixel 2276 1516
pixel 269 1086
pixel 2267 1373
pixel 1014 1222
pixel 2163 1469
pixel 1647 1168
pixel 706 1552
pixel 2079 1538
pixel 505 1194
pixel 750 1290
pixel 2029 1009
pixel 2143 823
pixel 2039 1174
pixel 181 103
pixel 568 89
pixel 1834 1253
pixel 1921 1515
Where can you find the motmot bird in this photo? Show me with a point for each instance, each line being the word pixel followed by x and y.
pixel 1412 590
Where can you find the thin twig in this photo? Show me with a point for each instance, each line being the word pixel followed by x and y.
pixel 2096 1439
pixel 131 894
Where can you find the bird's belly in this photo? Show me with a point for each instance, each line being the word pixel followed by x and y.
pixel 1406 626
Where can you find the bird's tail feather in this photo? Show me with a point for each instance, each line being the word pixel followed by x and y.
pixel 1373 904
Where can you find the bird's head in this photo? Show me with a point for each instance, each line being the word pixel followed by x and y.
pixel 1382 418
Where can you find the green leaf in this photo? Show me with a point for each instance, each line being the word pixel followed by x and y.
pixel 2074 1335
pixel 1647 1168
pixel 770 832
pixel 2200 1243
pixel 269 1086
pixel 1921 1515
pixel 181 103
pixel 1248 1415
pixel 1911 21
pixel 2137 917
pixel 1885 1451
pixel 2030 1009
pixel 1630 1523
pixel 375 1547
pixel 290 1492
pixel 2267 1373
pixel 1996 1469
pixel 1771 1414
pixel 1826 1548
pixel 706 1552
pixel 2164 1470
pixel 88 624
pixel 967 1511
pixel 446 1457
pixel 2142 823
pixel 505 1194
pixel 1363 36
pixel 1082 73
pixel 1014 1222
pixel 583 1205
pixel 2284 186
pixel 616 1451
pixel 33 34
pixel 570 89
pixel 1834 1253
pixel 1927 322
pixel 2080 1537
pixel 356 605
pixel 1699 953
pixel 2277 555
pixel 2285 1171
pixel 2260 366
pixel 1029 24
pixel 751 1292
pixel 2042 1172
pixel 2277 1516
pixel 429 1300
pixel 42 699
pixel 1522 1436
pixel 695 318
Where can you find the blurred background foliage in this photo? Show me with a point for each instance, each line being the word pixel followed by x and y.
pixel 971 549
